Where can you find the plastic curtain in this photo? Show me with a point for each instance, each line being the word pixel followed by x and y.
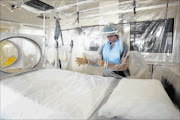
pixel 151 32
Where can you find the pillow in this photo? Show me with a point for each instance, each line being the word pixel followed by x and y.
pixel 139 99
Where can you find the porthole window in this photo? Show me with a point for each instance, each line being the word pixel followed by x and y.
pixel 19 53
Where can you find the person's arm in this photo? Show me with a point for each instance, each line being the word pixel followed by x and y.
pixel 85 61
pixel 82 61
pixel 115 67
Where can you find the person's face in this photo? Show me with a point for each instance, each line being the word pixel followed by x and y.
pixel 112 38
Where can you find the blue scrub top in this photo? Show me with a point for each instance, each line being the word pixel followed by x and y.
pixel 112 52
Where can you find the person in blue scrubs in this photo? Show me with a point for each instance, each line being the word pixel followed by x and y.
pixel 114 53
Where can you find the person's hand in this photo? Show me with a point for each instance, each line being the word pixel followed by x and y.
pixel 100 63
pixel 81 61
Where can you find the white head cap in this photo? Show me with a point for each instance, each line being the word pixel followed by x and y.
pixel 110 29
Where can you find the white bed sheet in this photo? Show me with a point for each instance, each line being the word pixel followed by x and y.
pixel 52 93
pixel 139 99
pixel 16 106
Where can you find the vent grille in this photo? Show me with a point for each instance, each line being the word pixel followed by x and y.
pixel 37 4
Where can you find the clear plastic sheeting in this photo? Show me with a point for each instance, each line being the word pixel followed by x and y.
pixel 151 31
pixel 150 27
pixel 92 55
pixel 50 53
pixel 63 53
pixel 89 48
pixel 148 54
pixel 137 65
pixel 63 94
pixel 118 12
pixel 32 54
pixel 82 46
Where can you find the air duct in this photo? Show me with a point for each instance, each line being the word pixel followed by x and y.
pixel 37 4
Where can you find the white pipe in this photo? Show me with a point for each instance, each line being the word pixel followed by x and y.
pixel 44 30
pixel 115 12
pixel 44 40
pixel 105 6
pixel 24 24
pixel 130 10
pixel 70 6
pixel 83 11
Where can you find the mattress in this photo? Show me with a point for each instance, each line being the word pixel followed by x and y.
pixel 171 82
pixel 139 99
pixel 52 94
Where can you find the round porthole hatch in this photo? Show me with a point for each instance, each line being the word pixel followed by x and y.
pixel 19 53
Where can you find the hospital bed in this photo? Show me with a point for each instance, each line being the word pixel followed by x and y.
pixel 52 94
pixel 62 94
pixel 171 81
